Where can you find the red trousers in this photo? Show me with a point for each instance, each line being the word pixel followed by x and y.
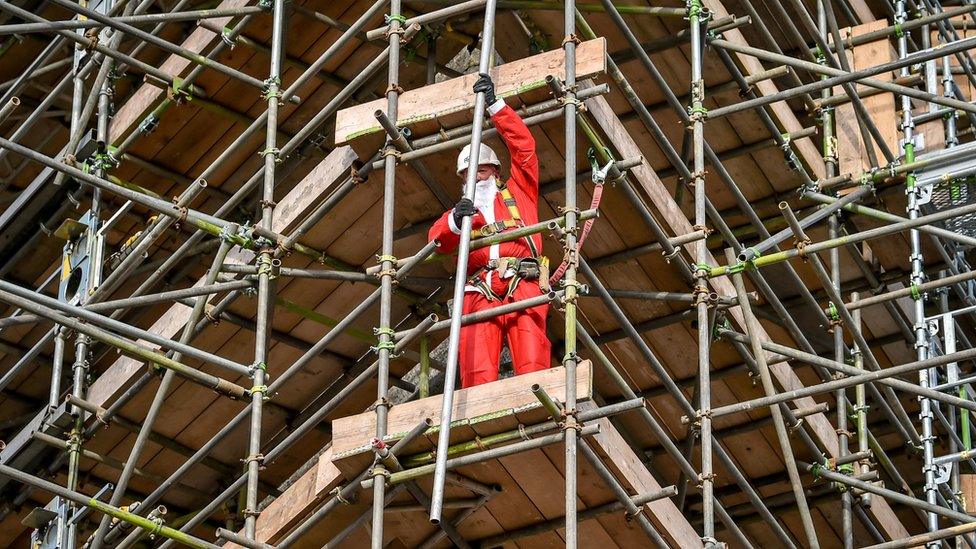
pixel 481 343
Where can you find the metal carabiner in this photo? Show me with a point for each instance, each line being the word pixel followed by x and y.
pixel 599 175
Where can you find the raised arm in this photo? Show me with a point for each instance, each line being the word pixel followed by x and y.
pixel 515 134
pixel 520 143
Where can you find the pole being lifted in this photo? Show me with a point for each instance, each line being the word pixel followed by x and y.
pixel 454 339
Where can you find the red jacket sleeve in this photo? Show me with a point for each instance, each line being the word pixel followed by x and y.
pixel 521 147
pixel 444 231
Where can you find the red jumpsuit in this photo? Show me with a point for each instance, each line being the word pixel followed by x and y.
pixel 525 330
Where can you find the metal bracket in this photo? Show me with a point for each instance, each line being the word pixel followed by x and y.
pixel 924 194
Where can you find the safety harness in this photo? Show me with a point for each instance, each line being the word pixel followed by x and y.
pixel 518 268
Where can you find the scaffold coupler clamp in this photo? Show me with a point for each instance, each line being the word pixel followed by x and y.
pixel 599 174
pixel 695 424
pixel 253 370
pixel 833 316
pixel 389 345
pixel 700 295
pixel 228 233
pixel 703 478
pixel 158 522
pixel 227 37
pixel 268 265
pixel 177 92
pixel 272 89
pixel 697 114
pixel 571 420
pixel 701 270
pixel 400 29
pixel 379 470
pixel 379 447
pixel 259 458
pixel 208 313
pixel 720 324
pixel 391 150
pixel 384 402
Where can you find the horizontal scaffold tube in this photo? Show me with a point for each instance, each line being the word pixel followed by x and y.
pixel 828 386
pixel 194 15
pixel 899 384
pixel 487 455
pixel 123 328
pixel 892 218
pixel 487 314
pixel 507 236
pixel 861 236
pixel 921 539
pixel 914 59
pixel 114 512
pixel 204 222
pixel 129 348
pixel 830 71
pixel 909 291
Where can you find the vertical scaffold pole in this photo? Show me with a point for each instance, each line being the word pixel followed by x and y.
pixel 272 91
pixel 571 214
pixel 697 17
pixel 82 349
pixel 454 339
pixel 860 408
pixel 833 227
pixel 384 332
pixel 915 259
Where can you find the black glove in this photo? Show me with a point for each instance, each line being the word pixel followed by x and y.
pixel 484 84
pixel 464 208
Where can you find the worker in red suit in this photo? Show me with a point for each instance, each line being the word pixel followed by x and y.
pixel 506 272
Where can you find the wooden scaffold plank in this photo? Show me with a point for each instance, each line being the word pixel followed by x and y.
pixel 454 97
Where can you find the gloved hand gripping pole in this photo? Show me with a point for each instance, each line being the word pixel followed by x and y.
pixel 450 372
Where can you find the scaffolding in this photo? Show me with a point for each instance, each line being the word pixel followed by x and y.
pixel 213 249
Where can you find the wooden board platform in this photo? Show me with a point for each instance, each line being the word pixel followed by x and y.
pixel 454 97
pixel 478 411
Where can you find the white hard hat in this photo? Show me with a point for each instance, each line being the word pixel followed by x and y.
pixel 487 156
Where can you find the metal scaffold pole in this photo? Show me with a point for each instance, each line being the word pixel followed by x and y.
pixel 917 278
pixel 571 215
pixel 454 339
pixel 384 331
pixel 698 17
pixel 254 460
pixel 825 16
